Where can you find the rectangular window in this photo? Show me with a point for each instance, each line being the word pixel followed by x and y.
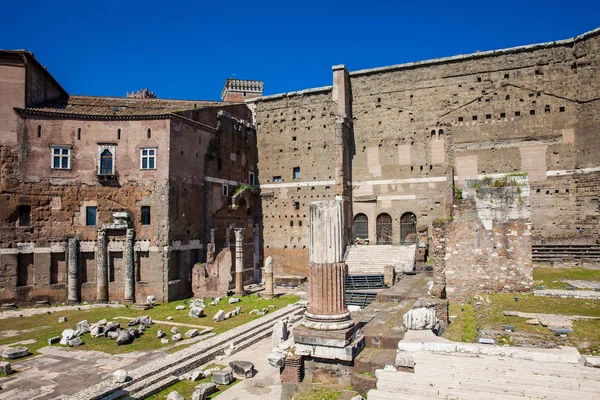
pixel 61 157
pixel 296 172
pixel 225 190
pixel 24 215
pixel 145 215
pixel 251 179
pixel 277 179
pixel 90 216
pixel 148 159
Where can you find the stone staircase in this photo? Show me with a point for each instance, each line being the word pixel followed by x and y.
pixel 565 253
pixel 444 376
pixel 362 259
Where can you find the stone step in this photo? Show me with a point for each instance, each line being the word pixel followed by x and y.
pixel 398 382
pixel 508 376
pixel 507 367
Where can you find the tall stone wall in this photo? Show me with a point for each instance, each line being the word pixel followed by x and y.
pixel 419 128
pixel 488 244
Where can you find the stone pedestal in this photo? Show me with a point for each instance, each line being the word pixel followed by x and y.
pixel 268 275
pixel 73 272
pixel 327 330
pixel 129 296
pixel 239 261
pixel 102 268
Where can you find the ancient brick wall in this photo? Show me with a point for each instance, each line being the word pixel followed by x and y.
pixel 488 244
pixel 295 131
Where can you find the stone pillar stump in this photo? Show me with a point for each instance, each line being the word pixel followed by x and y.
pixel 268 275
pixel 102 268
pixel 239 261
pixel 73 272
pixel 129 268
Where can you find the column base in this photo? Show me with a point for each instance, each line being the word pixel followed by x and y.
pixel 72 302
pixel 341 344
pixel 101 301
pixel 267 296
pixel 327 322
pixel 128 301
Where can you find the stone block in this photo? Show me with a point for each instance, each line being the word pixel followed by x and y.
pixel 180 307
pixel 204 390
pixel 242 368
pixel 120 376
pixel 196 312
pixel 151 300
pixel 15 352
pixel 192 333
pixel 420 318
pixel 62 319
pixel 276 359
pixel 223 377
pixel 219 316
pixel 5 368
pixel 174 330
pixel 160 334
pixel 234 300
pixel 53 340
pixel 175 396
pixel 124 337
pixel 83 326
pixel 404 359
pixel 164 341
pixel 112 334
pixel 176 337
pixel 76 341
pixel 280 333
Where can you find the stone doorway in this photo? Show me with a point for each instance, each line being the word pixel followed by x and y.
pixel 384 229
pixel 408 228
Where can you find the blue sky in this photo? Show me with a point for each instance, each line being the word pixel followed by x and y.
pixel 187 49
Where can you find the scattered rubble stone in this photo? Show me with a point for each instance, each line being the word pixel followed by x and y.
pixel 160 334
pixel 151 299
pixel 53 340
pixel 124 337
pixel 179 308
pixel 83 326
pixel 219 316
pixel 62 319
pixel 169 318
pixel 176 337
pixel 234 300
pixel 76 341
pixel 204 390
pixel 175 396
pixel 164 341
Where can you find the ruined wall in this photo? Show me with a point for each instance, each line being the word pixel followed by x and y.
pixel 488 245
pixel 293 131
pixel 12 87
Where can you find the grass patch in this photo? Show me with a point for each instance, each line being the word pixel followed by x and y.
pixel 314 393
pixel 42 327
pixel 553 278
pixel 186 389
pixel 487 315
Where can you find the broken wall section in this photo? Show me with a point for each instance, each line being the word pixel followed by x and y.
pixel 488 244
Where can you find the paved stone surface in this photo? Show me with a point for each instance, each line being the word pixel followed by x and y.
pixel 568 294
pixel 265 383
pixel 584 284
pixel 59 372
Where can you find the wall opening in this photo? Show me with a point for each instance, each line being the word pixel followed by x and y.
pixel 408 228
pixel 384 229
pixel 361 226
pixel 25 269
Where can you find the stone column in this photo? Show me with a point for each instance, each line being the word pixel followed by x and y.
pixel 212 235
pixel 239 261
pixel 327 295
pixel 102 268
pixel 129 268
pixel 268 271
pixel 73 267
pixel 256 261
pixel 227 238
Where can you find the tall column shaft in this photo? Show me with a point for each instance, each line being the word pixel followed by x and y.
pixel 239 260
pixel 73 272
pixel 268 271
pixel 102 268
pixel 129 268
pixel 256 261
pixel 327 281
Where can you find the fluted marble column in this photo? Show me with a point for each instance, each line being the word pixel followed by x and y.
pixel 129 268
pixel 327 280
pixel 268 275
pixel 73 272
pixel 102 268
pixel 239 261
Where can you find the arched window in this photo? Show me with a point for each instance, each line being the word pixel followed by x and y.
pixel 384 229
pixel 408 228
pixel 106 162
pixel 441 134
pixel 433 134
pixel 361 226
